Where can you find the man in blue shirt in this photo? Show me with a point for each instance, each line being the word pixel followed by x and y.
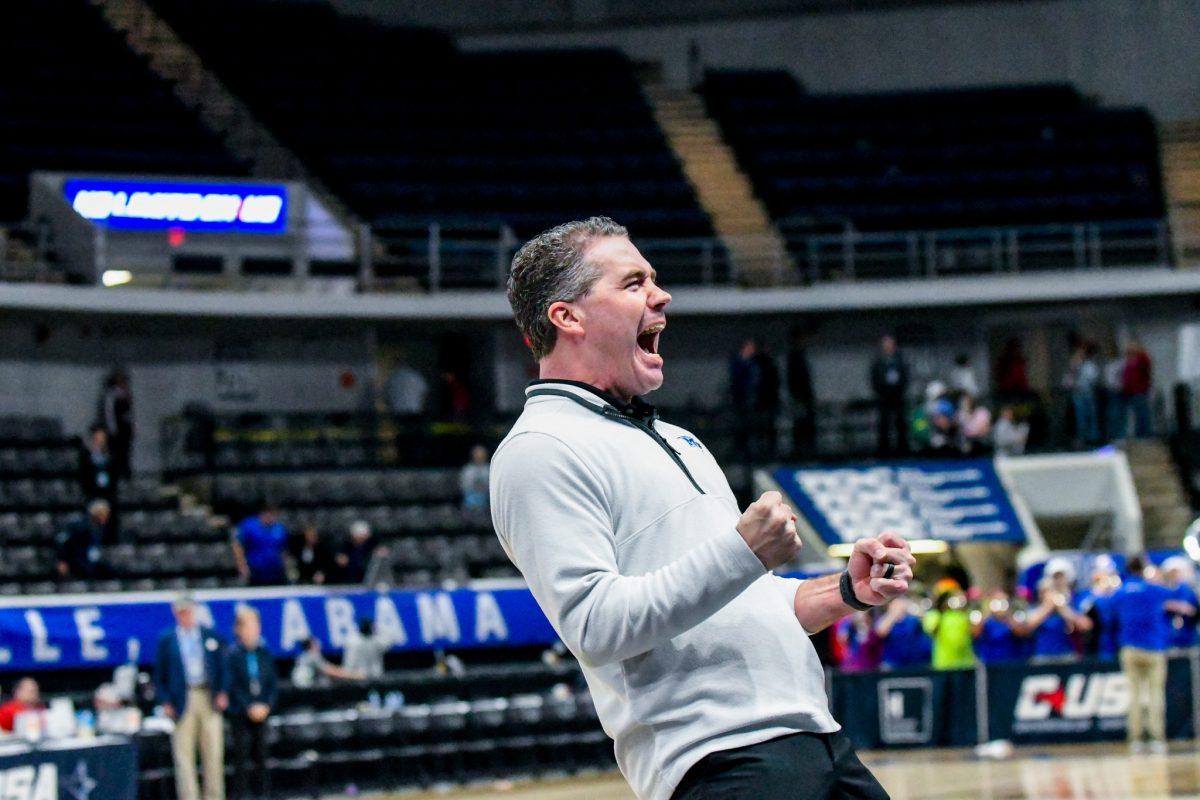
pixel 258 548
pixel 1097 603
pixel 905 643
pixel 253 689
pixel 1144 633
pixel 996 632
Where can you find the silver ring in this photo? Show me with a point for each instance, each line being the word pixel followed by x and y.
pixel 888 571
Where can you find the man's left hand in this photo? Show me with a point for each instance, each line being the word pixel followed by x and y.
pixel 870 562
pixel 222 701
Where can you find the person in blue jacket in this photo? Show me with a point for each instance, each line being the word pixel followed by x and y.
pixel 189 683
pixel 1178 574
pixel 1053 621
pixel 997 632
pixel 253 688
pixel 1097 603
pixel 905 643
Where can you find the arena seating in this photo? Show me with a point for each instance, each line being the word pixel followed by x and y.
pixel 936 159
pixel 88 104
pixel 408 131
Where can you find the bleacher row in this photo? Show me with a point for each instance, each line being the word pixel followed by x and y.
pixel 409 131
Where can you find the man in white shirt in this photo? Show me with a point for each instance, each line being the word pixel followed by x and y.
pixel 697 656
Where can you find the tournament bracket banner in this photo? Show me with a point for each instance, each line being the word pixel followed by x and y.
pixel 1085 701
pixel 106 769
pixel 955 501
pixel 98 630
pixel 157 205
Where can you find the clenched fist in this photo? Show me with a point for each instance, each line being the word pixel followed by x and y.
pixel 880 568
pixel 769 528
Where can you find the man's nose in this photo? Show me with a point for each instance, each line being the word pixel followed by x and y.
pixel 659 297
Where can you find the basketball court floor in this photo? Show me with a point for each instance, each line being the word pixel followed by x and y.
pixel 1069 772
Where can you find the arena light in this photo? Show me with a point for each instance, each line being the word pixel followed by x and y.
pixel 116 277
pixel 919 547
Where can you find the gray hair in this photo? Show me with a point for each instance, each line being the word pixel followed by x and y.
pixel 550 268
pixel 97 505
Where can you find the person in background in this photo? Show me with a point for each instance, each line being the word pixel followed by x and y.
pixel 1097 603
pixel 259 544
pixel 800 390
pixel 405 390
pixel 1012 377
pixel 97 474
pixel 252 686
pixel 312 556
pixel 1144 634
pixel 1178 575
pixel 115 415
pixel 996 631
pixel 312 669
pixel 974 426
pixel 962 377
pixel 364 653
pixel 355 556
pixel 1082 381
pixel 1008 435
pixel 78 551
pixel 934 423
pixel 754 390
pixel 189 682
pixel 859 648
pixel 473 483
pixel 949 625
pixel 889 382
pixel 1135 387
pixel 1054 620
pixel 904 641
pixel 1115 410
pixel 26 697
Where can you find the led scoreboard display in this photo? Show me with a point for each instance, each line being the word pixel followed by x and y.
pixel 138 205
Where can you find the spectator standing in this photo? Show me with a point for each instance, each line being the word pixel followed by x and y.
pixel 115 414
pixel 1009 435
pixel 1115 410
pixel 949 626
pixel 754 390
pixel 1178 575
pixel 1097 603
pixel 1012 377
pixel 78 552
pixel 904 641
pixel 1135 387
pixel 259 545
pixel 313 557
pixel 962 377
pixel 473 484
pixel 1082 381
pixel 996 632
pixel 1145 635
pixel 1052 623
pixel 889 382
pixel 800 390
pixel 405 390
pixel 252 686
pixel 189 681
pixel 355 556
pixel 97 472
pixel 26 697
pixel 858 645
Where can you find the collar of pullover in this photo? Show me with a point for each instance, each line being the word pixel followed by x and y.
pixel 636 409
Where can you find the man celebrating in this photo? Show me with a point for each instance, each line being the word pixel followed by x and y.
pixel 629 536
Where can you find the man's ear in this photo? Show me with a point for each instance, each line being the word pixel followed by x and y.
pixel 565 317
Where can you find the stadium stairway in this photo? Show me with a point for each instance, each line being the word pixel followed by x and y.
pixel 1180 153
pixel 756 248
pixel 1165 511
pixel 148 35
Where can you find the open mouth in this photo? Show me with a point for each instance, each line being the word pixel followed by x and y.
pixel 647 340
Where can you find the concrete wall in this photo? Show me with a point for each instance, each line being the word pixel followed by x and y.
pixel 1125 52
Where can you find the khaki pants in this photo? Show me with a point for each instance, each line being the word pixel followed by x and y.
pixel 1146 671
pixel 202 725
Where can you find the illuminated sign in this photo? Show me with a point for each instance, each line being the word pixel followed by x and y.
pixel 135 205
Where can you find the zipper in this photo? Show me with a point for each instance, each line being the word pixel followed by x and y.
pixel 613 414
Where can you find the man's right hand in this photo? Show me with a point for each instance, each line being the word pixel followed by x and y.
pixel 769 528
pixel 169 710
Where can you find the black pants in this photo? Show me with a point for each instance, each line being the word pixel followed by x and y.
pixel 803 766
pixel 892 420
pixel 249 758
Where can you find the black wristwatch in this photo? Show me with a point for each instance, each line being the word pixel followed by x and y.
pixel 848 593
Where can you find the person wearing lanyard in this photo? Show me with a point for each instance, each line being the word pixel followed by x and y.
pixel 189 683
pixel 252 687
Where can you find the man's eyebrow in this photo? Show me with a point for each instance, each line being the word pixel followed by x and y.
pixel 638 272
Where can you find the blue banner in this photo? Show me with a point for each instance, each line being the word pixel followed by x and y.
pixel 106 769
pixel 100 631
pixel 155 205
pixel 954 501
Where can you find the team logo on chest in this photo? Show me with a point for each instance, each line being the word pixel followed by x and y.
pixel 691 441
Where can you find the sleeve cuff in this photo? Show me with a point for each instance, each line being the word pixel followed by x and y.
pixel 739 559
